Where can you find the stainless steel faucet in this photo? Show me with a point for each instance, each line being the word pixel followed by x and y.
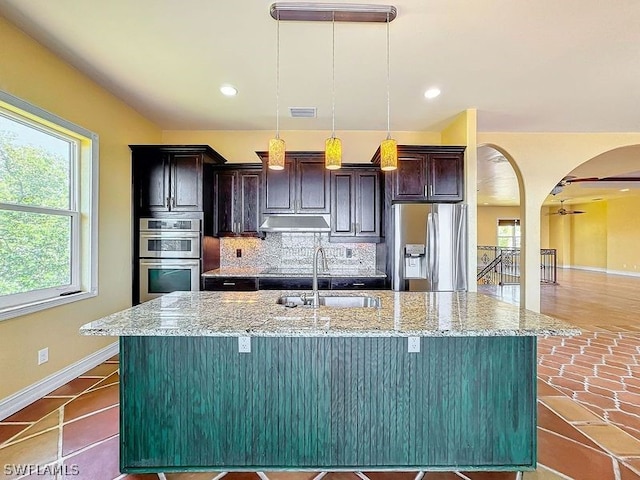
pixel 316 295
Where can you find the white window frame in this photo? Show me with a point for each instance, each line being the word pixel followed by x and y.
pixel 82 212
pixel 516 222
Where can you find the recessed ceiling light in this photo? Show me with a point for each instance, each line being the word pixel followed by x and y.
pixel 229 90
pixel 624 189
pixel 432 93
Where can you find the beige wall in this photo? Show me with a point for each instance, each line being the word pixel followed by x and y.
pixel 588 235
pixel 29 71
pixel 488 222
pixel 623 235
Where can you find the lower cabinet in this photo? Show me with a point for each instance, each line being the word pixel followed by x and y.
pixel 237 284
pixel 355 283
pixel 292 283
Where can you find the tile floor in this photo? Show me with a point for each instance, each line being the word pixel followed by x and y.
pixel 588 421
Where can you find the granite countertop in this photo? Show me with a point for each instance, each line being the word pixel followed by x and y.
pixel 292 272
pixel 403 314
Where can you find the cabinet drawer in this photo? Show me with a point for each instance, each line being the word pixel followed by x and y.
pixel 292 283
pixel 237 284
pixel 355 283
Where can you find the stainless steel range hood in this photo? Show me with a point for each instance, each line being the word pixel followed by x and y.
pixel 295 223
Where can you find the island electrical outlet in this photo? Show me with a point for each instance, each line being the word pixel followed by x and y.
pixel 43 355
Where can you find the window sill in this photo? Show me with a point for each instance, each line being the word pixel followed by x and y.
pixel 25 309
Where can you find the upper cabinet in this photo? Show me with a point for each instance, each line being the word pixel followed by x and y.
pixel 236 201
pixel 355 204
pixel 427 174
pixel 302 187
pixel 170 178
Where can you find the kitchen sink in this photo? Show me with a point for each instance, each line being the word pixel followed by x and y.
pixel 336 301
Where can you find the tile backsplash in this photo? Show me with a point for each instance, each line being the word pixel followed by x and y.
pixel 289 250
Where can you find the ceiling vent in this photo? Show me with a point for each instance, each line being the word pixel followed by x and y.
pixel 303 112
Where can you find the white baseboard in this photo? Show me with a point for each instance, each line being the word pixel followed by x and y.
pixel 623 272
pixel 589 269
pixel 28 395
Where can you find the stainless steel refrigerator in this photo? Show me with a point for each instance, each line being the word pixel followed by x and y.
pixel 429 247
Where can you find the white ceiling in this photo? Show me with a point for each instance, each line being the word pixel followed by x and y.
pixel 549 65
pixel 544 66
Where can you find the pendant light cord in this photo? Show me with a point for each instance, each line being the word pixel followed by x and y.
pixel 388 83
pixel 333 77
pixel 278 76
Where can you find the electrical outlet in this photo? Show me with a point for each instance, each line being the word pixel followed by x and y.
pixel 413 344
pixel 43 355
pixel 238 252
pixel 348 253
pixel 244 344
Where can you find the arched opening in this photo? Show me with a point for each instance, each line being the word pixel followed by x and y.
pixel 499 223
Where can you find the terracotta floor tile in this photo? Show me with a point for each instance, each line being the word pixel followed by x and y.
pixel 585 463
pixel 242 476
pixel 102 370
pixel 191 476
pixel 490 475
pixel 392 475
pixel 597 400
pixel 37 410
pixel 627 473
pixel 91 401
pixel 544 389
pixel 75 387
pixel 614 373
pixel 548 371
pixel 622 418
pixel 39 450
pixel 572 385
pixel 612 439
pixel 628 397
pixel 541 473
pixel 291 475
pixel 579 370
pixel 601 391
pixel 441 476
pixel 633 409
pixel 8 431
pixel 96 463
pixel 85 431
pixel 549 420
pixel 51 420
pixel 110 380
pixel 570 410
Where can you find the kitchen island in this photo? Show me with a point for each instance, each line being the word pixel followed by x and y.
pixel 327 388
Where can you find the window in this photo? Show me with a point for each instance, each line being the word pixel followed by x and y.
pixel 509 233
pixel 48 209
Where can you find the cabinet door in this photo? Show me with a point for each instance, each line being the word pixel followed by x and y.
pixel 342 204
pixel 186 182
pixel 445 175
pixel 224 191
pixel 367 204
pixel 410 178
pixel 247 205
pixel 152 178
pixel 278 189
pixel 312 186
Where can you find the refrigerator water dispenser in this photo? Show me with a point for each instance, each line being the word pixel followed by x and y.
pixel 415 262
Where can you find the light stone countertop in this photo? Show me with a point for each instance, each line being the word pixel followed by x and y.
pixel 403 314
pixel 291 272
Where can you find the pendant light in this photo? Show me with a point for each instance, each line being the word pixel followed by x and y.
pixel 333 145
pixel 277 145
pixel 389 147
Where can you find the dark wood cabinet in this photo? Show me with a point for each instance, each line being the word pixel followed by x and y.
pixel 236 201
pixel 301 187
pixel 171 178
pixel 427 173
pixel 233 284
pixel 356 205
pixel 357 283
pixel 292 283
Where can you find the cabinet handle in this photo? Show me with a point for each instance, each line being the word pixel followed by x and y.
pixel 426 191
pixel 229 284
pixel 357 227
pixel 431 190
pixel 358 284
pixel 237 227
pixel 168 203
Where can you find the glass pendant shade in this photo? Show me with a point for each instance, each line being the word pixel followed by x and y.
pixel 276 154
pixel 389 154
pixel 333 153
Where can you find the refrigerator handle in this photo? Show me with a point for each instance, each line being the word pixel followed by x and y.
pixel 433 260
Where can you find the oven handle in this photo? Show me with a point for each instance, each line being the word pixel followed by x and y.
pixel 169 263
pixel 169 235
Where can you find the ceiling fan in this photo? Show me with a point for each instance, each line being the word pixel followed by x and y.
pixel 569 179
pixel 564 211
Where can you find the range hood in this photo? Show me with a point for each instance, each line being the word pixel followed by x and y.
pixel 295 223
